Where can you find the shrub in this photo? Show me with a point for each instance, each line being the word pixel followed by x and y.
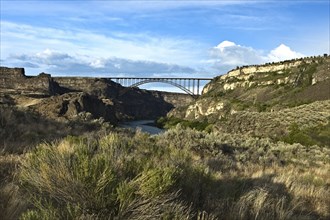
pixel 82 177
pixel 171 122
pixel 180 174
pixel 318 135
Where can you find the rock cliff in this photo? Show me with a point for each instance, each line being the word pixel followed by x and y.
pixel 262 88
pixel 281 73
pixel 67 98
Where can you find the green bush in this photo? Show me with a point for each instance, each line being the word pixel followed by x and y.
pixel 101 179
pixel 319 135
pixel 170 122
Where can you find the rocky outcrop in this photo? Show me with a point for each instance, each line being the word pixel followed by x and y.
pixel 14 81
pixel 128 103
pixel 281 73
pixel 76 106
pixel 263 88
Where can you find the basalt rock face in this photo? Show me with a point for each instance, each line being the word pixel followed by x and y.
pixel 133 103
pixel 68 98
pixel 14 81
pixel 103 88
pixel 75 106
pixel 178 100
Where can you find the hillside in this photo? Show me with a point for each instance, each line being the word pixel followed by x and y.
pixel 265 100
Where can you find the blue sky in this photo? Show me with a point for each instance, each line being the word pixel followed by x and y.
pixel 158 38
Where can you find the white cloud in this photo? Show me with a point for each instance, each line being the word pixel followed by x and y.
pixel 98 63
pixel 227 55
pixel 222 46
pixel 283 52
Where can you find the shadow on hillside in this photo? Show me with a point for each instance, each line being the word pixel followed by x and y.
pixel 243 198
pixel 22 130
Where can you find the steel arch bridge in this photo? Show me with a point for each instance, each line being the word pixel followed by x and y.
pixel 190 86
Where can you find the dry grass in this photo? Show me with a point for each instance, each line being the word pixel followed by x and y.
pixel 255 178
pixel 22 129
pixel 301 193
pixel 181 174
pixel 12 202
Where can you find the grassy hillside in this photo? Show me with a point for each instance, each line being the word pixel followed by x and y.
pixel 286 101
pixel 309 123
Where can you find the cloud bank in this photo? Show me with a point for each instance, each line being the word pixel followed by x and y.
pixel 66 64
pixel 227 55
pixel 84 52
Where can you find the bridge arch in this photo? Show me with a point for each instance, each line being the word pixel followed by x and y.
pixel 190 86
pixel 163 81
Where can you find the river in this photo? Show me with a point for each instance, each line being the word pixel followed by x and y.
pixel 145 126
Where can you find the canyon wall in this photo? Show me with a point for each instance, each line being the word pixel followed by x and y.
pixel 67 96
pixel 267 87
pixel 14 81
pixel 280 73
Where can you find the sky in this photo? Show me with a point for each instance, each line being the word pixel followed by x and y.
pixel 158 38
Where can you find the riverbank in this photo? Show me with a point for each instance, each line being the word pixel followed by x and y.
pixel 147 126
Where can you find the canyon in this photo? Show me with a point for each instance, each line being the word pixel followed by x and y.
pixel 66 98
